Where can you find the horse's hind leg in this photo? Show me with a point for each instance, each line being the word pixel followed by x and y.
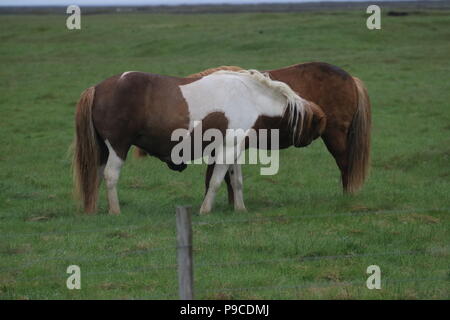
pixel 111 175
pixel 104 153
pixel 336 142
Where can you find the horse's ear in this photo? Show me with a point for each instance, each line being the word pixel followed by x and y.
pixel 314 124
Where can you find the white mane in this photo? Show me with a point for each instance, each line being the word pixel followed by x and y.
pixel 295 105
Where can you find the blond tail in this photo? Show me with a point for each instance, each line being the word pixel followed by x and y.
pixel 359 141
pixel 86 156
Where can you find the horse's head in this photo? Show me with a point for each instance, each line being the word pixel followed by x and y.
pixel 313 125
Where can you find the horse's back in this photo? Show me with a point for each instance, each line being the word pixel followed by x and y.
pixel 128 104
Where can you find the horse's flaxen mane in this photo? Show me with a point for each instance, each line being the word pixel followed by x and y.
pixel 206 72
pixel 297 108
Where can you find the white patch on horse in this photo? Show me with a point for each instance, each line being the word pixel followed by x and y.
pixel 242 96
pixel 111 175
pixel 233 94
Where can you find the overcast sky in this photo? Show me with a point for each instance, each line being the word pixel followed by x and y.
pixel 138 2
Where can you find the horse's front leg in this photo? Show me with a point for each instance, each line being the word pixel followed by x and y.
pixel 208 174
pixel 236 180
pixel 214 183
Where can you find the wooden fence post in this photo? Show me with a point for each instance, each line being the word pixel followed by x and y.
pixel 184 252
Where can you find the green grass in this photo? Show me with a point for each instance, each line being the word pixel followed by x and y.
pixel 301 237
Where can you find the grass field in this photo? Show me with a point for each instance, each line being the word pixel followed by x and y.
pixel 301 238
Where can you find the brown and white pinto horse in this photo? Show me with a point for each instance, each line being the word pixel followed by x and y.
pixel 143 109
pixel 345 102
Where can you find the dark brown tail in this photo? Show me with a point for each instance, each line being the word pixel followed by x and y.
pixel 359 141
pixel 86 158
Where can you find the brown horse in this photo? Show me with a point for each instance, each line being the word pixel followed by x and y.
pixel 147 110
pixel 346 104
